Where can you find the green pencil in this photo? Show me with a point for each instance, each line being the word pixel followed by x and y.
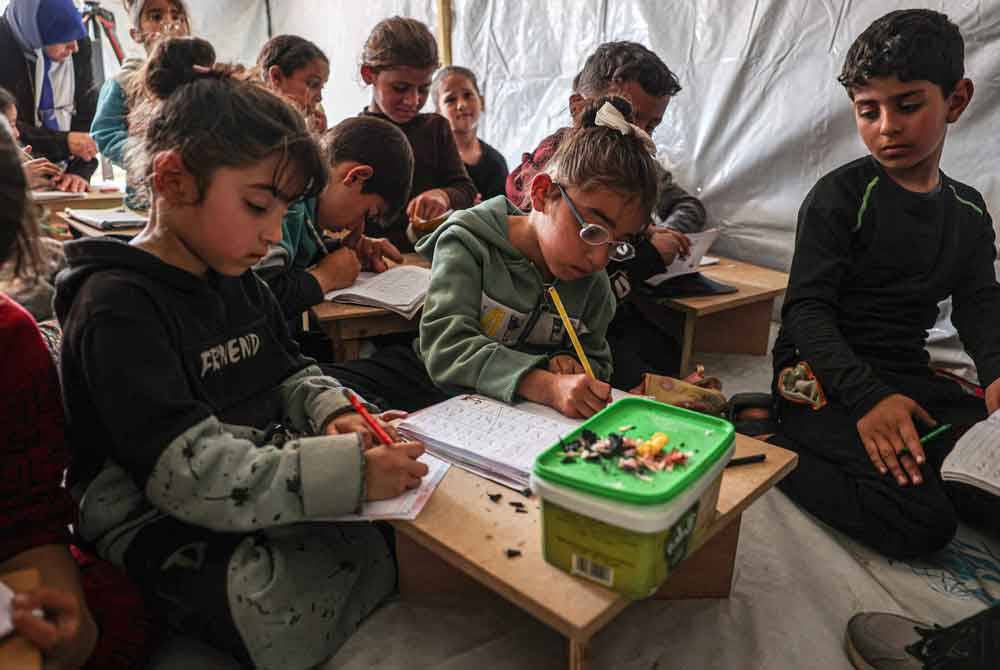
pixel 934 433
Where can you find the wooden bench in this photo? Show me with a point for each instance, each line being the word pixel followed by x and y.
pixel 458 545
pixel 731 323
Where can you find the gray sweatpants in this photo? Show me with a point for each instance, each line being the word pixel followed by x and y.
pixel 283 598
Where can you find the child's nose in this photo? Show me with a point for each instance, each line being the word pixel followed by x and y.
pixel 890 123
pixel 411 99
pixel 272 232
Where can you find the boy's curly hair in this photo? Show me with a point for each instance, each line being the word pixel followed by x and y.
pixel 620 62
pixel 910 44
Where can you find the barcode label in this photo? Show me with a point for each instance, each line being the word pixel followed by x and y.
pixel 585 567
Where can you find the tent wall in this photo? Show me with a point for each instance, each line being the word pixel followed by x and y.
pixel 761 116
pixel 759 120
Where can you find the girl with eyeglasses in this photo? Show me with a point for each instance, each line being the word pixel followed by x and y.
pixel 488 326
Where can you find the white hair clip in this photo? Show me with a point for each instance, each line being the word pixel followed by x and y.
pixel 610 116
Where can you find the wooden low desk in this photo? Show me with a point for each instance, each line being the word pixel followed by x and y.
pixel 732 323
pixel 462 534
pixel 91 200
pixel 348 325
pixel 81 229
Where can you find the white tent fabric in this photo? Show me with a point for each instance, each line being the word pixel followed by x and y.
pixel 759 120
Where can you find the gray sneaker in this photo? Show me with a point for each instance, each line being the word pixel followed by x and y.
pixel 881 641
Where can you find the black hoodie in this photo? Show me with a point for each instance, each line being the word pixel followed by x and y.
pixel 169 380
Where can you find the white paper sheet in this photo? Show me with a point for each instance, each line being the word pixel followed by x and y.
pixel 6 598
pixel 408 505
pixel 700 244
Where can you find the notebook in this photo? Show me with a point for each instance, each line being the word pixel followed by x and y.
pixel 408 505
pixel 114 218
pixel 975 460
pixel 47 196
pixel 487 437
pixel 700 244
pixel 400 289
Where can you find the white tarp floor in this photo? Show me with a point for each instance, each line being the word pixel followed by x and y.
pixel 795 586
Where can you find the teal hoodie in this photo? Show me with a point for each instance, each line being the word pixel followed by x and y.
pixel 487 319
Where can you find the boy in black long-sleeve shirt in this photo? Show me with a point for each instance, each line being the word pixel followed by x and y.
pixel 880 241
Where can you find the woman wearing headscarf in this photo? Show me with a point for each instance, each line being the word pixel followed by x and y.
pixel 45 63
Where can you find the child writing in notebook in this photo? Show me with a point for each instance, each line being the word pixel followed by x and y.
pixel 488 325
pixel 200 454
pixel 151 21
pixel 298 69
pixel 456 96
pixel 371 166
pixel 398 60
pixel 634 72
pixel 40 171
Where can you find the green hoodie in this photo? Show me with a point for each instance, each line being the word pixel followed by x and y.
pixel 487 319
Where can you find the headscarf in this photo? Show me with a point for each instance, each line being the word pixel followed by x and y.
pixel 37 24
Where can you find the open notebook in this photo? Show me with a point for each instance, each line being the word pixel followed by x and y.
pixel 975 460
pixel 700 244
pixel 490 438
pixel 114 218
pixel 400 289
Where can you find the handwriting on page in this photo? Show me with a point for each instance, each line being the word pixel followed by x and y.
pixel 491 429
pixel 975 460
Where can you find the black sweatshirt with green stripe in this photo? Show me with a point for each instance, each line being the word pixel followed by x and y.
pixel 872 260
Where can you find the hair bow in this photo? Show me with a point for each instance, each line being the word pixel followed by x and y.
pixel 610 116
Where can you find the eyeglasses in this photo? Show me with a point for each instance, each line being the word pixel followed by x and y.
pixel 596 235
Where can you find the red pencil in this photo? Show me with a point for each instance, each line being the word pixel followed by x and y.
pixel 372 423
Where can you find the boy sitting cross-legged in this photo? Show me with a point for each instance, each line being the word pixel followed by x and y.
pixel 880 241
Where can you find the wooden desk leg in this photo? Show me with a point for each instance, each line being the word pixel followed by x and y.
pixel 708 573
pixel 687 345
pixel 579 653
pixel 343 349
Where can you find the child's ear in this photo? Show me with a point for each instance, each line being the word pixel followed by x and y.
pixel 172 180
pixel 576 103
pixel 959 99
pixel 275 75
pixel 539 190
pixel 358 175
pixel 368 75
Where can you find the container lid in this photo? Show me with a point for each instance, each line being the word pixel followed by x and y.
pixel 705 437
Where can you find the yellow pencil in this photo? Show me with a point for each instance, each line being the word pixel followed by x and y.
pixel 557 301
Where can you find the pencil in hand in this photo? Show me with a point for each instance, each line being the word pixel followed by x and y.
pixel 380 433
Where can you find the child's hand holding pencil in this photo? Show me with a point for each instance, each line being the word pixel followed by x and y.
pixel 391 466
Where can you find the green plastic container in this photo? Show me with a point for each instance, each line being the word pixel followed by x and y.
pixel 616 529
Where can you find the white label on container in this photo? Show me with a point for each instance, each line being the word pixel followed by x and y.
pixel 585 567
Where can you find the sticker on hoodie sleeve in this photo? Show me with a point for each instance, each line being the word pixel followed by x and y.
pixel 500 322
pixel 549 330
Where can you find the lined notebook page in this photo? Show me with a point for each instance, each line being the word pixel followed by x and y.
pixel 975 460
pixel 489 429
pixel 399 286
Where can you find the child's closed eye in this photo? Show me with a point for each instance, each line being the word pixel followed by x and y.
pixel 255 208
